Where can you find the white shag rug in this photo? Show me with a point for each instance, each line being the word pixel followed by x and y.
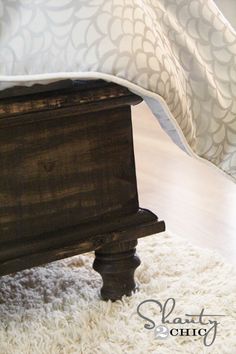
pixel 56 308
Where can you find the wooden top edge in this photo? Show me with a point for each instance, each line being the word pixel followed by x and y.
pixel 17 91
pixel 86 93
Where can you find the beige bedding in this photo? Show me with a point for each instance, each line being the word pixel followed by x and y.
pixel 180 55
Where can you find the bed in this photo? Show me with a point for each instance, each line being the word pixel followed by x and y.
pixel 69 72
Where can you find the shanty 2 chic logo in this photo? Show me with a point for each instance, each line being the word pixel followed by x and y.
pixel 204 325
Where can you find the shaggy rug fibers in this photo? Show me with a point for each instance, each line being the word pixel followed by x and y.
pixel 56 308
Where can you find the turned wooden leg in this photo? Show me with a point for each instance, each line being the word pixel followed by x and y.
pixel 116 262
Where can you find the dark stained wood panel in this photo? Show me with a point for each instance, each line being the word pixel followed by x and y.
pixel 68 181
pixel 60 172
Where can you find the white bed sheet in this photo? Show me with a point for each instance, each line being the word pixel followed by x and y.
pixel 180 55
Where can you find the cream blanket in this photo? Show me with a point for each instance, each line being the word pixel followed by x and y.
pixel 180 55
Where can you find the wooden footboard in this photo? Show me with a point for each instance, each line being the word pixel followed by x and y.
pixel 67 179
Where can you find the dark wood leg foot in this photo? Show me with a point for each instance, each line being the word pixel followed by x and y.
pixel 116 262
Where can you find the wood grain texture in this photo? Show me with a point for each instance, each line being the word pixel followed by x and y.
pixel 58 173
pixel 18 255
pixel 68 179
pixel 61 102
